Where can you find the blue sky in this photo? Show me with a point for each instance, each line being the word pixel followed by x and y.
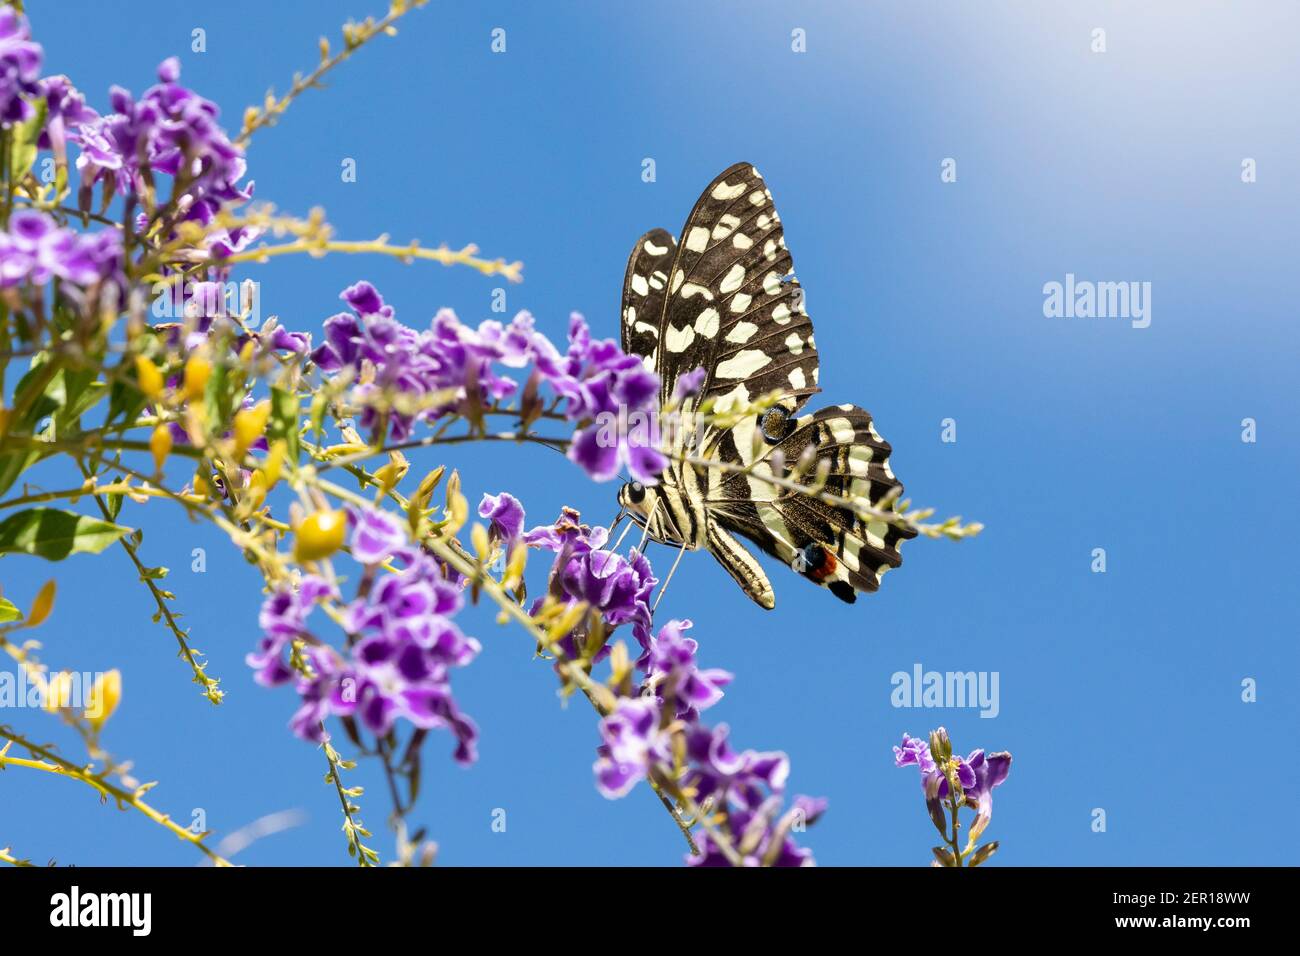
pixel 1119 691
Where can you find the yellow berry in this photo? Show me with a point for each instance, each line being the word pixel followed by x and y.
pixel 250 423
pixel 319 535
pixel 150 379
pixel 160 443
pixel 197 371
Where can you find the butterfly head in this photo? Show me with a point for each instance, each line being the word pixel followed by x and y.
pixel 648 506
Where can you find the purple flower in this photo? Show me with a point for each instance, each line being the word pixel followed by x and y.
pixel 914 750
pixel 989 772
pixel 65 109
pixel 35 249
pixel 632 740
pixel 376 535
pixel 614 398
pixel 283 619
pixel 446 368
pixel 690 383
pixel 506 515
pixel 763 838
pixel 718 771
pixel 20 64
pixel 618 587
pixel 673 675
pixel 977 774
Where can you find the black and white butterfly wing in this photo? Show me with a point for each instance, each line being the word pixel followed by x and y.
pixel 733 305
pixel 827 543
pixel 645 287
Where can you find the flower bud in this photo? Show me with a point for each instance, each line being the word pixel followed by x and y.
pixel 58 691
pixel 273 467
pixel 319 535
pixel 104 697
pixel 940 745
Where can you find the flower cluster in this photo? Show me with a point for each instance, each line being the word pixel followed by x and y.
pixel 402 643
pixel 960 781
pixel 656 731
pixel 37 250
pixel 405 376
pixel 170 130
pixel 658 734
pixel 617 588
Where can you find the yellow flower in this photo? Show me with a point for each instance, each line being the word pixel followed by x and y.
pixel 319 535
pixel 104 697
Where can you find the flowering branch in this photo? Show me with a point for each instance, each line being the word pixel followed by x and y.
pixel 255 416
pixel 355 36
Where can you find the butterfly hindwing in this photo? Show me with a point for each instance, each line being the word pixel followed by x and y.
pixel 829 544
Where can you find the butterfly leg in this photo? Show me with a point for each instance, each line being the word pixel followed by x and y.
pixel 671 571
pixel 741 565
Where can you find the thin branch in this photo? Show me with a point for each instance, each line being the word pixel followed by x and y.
pixel 49 762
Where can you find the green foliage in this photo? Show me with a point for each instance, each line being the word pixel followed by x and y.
pixel 54 534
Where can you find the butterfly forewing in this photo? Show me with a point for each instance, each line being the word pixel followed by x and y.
pixel 733 304
pixel 645 287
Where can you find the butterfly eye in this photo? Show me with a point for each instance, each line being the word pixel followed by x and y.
pixel 636 492
pixel 774 424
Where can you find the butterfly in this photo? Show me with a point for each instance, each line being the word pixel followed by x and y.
pixel 725 300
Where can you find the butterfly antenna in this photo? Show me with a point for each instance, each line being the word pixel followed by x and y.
pixel 671 571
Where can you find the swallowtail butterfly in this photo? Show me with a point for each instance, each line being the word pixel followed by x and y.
pixel 726 300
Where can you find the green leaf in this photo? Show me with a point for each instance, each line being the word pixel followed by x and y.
pixel 8 612
pixel 13 465
pixel 126 401
pixel 22 149
pixel 53 534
